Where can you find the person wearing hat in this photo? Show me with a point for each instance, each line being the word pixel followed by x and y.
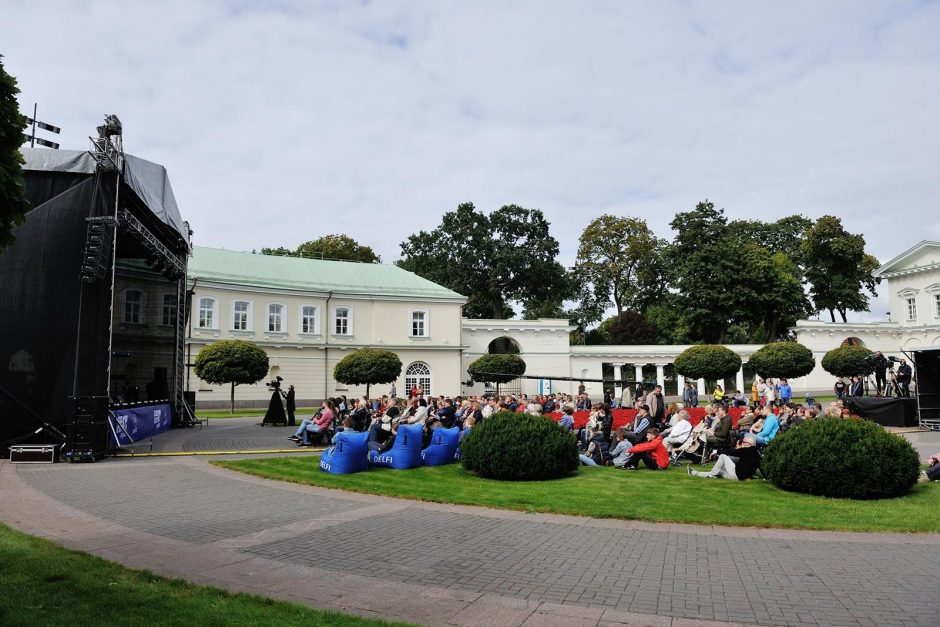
pixel 641 424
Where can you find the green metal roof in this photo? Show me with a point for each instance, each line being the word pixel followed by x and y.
pixel 311 275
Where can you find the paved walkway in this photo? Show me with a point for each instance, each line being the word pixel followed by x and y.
pixel 439 564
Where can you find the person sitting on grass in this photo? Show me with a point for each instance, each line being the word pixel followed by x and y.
pixel 598 452
pixel 741 465
pixel 652 453
pixel 933 470
pixel 618 454
pixel 567 418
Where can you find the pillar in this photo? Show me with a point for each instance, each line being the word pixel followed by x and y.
pixel 680 384
pixel 739 379
pixel 639 371
pixel 618 387
pixel 700 386
pixel 661 376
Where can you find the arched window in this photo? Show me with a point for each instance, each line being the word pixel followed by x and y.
pixel 418 375
pixel 852 341
pixel 503 345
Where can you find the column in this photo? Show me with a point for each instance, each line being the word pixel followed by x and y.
pixel 739 379
pixel 680 384
pixel 639 371
pixel 661 376
pixel 700 386
pixel 618 388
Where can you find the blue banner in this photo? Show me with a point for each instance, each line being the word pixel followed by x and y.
pixel 133 424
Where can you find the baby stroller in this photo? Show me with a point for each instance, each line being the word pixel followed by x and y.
pixel 693 448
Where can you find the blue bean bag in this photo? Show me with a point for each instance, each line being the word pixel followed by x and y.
pixel 405 452
pixel 348 455
pixel 442 448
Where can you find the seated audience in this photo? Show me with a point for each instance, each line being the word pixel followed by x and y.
pixel 652 453
pixel 769 427
pixel 567 419
pixel 598 452
pixel 640 425
pixel 679 432
pixel 933 470
pixel 719 436
pixel 317 424
pixel 619 454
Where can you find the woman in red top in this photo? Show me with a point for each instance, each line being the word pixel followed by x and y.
pixel 652 453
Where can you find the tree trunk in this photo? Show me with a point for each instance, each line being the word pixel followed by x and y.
pixel 842 311
pixel 832 314
pixel 496 306
pixel 232 397
pixel 367 390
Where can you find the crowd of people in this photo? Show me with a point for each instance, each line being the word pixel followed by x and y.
pixel 658 435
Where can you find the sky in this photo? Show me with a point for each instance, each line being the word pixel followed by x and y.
pixel 282 121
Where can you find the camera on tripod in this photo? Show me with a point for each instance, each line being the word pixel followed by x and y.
pixel 275 383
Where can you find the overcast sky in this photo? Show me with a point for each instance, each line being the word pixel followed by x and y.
pixel 282 121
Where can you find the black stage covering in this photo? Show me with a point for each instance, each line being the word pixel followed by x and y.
pixel 888 412
pixel 60 336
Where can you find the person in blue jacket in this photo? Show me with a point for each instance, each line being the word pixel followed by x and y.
pixel 784 392
pixel 769 428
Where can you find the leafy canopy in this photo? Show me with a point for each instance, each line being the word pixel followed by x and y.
pixel 236 362
pixel 847 361
pixel 496 368
pixel 519 447
pixel 783 359
pixel 13 202
pixel 341 247
pixel 368 366
pixel 707 361
pixel 506 256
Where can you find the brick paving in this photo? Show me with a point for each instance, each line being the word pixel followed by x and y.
pixel 438 564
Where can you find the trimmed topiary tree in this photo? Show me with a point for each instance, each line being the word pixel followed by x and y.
pixel 519 447
pixel 847 361
pixel 783 359
pixel 854 459
pixel 707 361
pixel 496 368
pixel 368 366
pixel 231 361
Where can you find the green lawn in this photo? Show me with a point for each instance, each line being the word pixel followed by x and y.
pixel 42 583
pixel 670 496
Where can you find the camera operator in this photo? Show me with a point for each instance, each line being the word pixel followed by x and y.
pixel 904 378
pixel 880 365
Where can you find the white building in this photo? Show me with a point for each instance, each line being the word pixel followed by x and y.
pixel 308 314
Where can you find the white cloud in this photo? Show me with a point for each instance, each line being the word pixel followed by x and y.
pixel 283 121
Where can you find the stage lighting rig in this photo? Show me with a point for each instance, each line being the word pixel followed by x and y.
pixel 108 147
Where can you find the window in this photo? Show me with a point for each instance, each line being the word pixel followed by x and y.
pixel 936 305
pixel 342 324
pixel 240 315
pixel 275 316
pixel 132 300
pixel 207 313
pixel 168 316
pixel 911 308
pixel 419 324
pixel 308 320
pixel 418 375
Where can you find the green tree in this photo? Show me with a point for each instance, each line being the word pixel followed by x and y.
pixel 847 361
pixel 789 360
pixel 236 362
pixel 838 269
pixel 617 264
pixel 707 361
pixel 630 328
pixel 496 368
pixel 341 247
pixel 506 256
pixel 13 202
pixel 368 366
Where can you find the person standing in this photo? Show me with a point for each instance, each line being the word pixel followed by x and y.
pixel 291 406
pixel 785 391
pixel 856 387
pixel 880 364
pixel 839 388
pixel 656 403
pixel 905 374
pixel 690 395
pixel 394 391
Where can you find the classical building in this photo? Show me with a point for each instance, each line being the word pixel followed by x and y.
pixel 308 314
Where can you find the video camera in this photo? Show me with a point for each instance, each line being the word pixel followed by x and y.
pixel 275 383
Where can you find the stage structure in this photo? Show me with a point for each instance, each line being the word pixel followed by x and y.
pixel 93 302
pixel 926 361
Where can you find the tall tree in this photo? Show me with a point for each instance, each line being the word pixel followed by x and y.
pixel 617 264
pixel 497 259
pixel 838 269
pixel 13 203
pixel 341 247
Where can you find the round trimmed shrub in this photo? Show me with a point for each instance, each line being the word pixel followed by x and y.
pixel 516 447
pixel 854 459
pixel 846 361
pixel 789 360
pixel 496 368
pixel 707 361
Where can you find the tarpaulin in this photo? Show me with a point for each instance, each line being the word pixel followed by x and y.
pixel 138 423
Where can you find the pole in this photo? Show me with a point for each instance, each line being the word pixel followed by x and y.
pixel 32 140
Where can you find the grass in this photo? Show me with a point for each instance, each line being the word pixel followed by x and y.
pixel 42 583
pixel 670 496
